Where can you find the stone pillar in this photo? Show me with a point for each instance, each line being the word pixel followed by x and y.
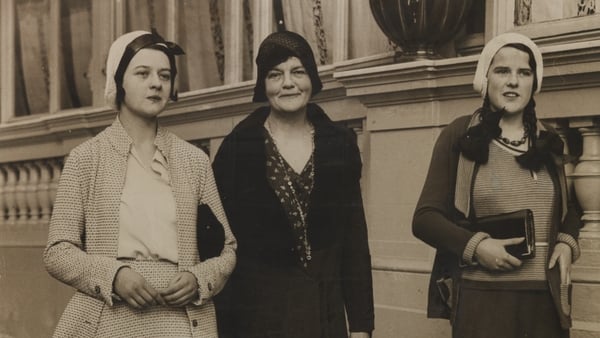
pixel 586 271
pixel 10 199
pixel 43 192
pixel 56 171
pixel 563 130
pixel 2 198
pixel 21 195
pixel 587 181
pixel 31 194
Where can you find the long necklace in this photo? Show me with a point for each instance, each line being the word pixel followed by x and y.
pixel 288 179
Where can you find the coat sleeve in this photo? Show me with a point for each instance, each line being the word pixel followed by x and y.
pixel 65 257
pixel 212 274
pixel 223 166
pixel 432 220
pixel 224 169
pixel 357 284
pixel 569 228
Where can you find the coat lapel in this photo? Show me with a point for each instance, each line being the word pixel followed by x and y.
pixel 464 178
pixel 114 164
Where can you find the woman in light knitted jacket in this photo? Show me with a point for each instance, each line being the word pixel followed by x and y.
pixel 123 229
pixel 500 159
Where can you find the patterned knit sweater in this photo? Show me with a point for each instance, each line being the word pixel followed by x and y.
pixel 501 186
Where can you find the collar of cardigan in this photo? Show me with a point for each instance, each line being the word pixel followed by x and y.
pixel 466 169
pixel 122 142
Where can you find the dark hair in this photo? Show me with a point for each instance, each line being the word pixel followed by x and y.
pixel 474 144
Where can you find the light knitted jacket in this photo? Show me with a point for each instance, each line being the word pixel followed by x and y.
pixel 83 238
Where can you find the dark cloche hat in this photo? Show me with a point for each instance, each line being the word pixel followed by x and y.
pixel 277 48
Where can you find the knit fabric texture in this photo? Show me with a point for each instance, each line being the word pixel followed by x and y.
pixel 277 48
pixel 501 186
pixel 490 50
pixel 83 235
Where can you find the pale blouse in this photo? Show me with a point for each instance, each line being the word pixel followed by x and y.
pixel 147 214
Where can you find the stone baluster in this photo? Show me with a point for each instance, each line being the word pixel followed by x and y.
pixel 10 197
pixel 563 131
pixel 21 195
pixel 586 178
pixel 586 270
pixel 31 194
pixel 56 171
pixel 2 198
pixel 43 192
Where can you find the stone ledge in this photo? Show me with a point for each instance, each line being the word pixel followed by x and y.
pixel 23 236
pixel 400 265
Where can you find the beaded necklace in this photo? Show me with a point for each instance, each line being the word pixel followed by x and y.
pixel 303 213
pixel 515 143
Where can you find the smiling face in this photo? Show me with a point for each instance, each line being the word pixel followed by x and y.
pixel 147 83
pixel 510 81
pixel 288 87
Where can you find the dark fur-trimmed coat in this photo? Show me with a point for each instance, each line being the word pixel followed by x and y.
pixel 269 293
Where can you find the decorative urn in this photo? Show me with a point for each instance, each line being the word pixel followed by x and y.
pixel 420 27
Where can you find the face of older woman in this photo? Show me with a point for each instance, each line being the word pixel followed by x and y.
pixel 510 80
pixel 288 86
pixel 147 83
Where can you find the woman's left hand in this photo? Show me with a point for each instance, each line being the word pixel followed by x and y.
pixel 182 290
pixel 562 253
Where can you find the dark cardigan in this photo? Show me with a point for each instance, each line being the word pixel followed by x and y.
pixel 269 293
pixel 436 216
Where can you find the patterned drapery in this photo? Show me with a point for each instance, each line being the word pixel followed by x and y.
pixel 199 30
pixel 314 20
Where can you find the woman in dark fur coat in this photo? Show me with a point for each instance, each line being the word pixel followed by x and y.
pixel 289 180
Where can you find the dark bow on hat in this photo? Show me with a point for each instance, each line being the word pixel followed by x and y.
pixel 173 48
pixel 143 41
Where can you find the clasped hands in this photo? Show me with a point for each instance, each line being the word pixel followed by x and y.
pixel 492 255
pixel 135 290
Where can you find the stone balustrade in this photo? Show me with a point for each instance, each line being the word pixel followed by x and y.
pixel 27 192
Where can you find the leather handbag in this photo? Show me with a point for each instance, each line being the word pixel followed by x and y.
pixel 209 233
pixel 509 225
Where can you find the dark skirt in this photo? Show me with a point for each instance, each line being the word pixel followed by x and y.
pixel 506 314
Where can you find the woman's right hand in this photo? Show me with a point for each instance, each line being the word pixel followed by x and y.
pixel 134 289
pixel 491 254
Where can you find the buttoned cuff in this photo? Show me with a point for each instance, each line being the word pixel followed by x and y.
pixel 570 241
pixel 205 289
pixel 112 296
pixel 469 252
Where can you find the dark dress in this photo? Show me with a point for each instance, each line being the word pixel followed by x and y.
pixel 270 293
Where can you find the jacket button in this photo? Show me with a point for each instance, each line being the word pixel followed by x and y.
pixel 194 323
pixel 97 289
pixel 209 286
